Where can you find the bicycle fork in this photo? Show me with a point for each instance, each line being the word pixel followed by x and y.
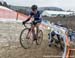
pixel 28 34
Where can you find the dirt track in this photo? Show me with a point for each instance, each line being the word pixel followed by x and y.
pixel 10 46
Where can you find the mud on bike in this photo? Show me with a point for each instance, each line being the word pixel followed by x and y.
pixel 28 36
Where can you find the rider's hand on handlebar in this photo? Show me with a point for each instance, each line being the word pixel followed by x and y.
pixel 23 22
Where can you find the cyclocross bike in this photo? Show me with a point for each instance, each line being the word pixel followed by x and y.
pixel 27 37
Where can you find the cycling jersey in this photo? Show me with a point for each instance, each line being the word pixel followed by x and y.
pixel 36 16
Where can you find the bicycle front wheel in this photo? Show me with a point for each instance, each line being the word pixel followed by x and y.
pixel 26 38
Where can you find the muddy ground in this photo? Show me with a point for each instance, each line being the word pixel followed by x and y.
pixel 10 46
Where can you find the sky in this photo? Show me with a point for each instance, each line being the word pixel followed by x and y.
pixel 64 4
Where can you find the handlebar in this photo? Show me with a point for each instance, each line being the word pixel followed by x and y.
pixel 26 23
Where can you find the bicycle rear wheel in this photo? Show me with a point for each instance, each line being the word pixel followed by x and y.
pixel 26 41
pixel 39 37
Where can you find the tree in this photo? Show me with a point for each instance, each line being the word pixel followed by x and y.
pixel 5 4
pixel 0 3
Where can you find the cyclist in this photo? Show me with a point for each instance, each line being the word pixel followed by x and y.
pixel 57 29
pixel 36 15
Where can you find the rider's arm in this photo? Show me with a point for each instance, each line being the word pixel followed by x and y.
pixel 30 16
pixel 28 19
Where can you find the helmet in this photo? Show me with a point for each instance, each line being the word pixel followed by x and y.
pixel 34 7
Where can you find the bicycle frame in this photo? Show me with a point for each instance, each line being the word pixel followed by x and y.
pixel 32 29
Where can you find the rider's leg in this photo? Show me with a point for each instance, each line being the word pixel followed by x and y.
pixel 36 24
pixel 37 29
pixel 33 31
